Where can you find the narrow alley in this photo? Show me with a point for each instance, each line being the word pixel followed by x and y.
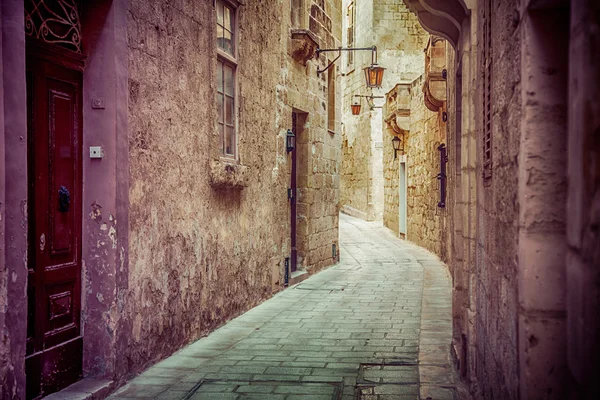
pixel 376 326
pixel 300 199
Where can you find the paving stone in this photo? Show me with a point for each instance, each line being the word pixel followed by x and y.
pixel 306 339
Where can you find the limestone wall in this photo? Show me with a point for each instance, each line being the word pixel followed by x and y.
pixel 423 165
pixel 419 151
pixel 304 91
pixel 200 253
pixel 498 213
pixel 400 41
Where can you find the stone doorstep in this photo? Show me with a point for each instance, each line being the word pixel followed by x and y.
pixel 298 276
pixel 85 389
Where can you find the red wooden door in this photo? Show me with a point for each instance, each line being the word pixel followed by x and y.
pixel 54 342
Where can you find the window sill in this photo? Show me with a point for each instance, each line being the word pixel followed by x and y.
pixel 228 174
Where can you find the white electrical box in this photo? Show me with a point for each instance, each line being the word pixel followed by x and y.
pixel 96 152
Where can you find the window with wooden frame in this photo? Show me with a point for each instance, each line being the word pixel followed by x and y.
pixel 331 100
pixel 298 14
pixel 350 17
pixel 487 91
pixel 226 76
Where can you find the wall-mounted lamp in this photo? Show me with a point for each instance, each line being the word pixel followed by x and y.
pixel 356 105
pixel 442 175
pixel 373 73
pixel 396 144
pixel 290 140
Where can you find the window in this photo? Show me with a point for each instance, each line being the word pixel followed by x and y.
pixel 331 99
pixel 350 38
pixel 226 77
pixel 298 14
pixel 487 91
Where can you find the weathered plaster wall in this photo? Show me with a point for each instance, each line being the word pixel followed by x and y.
pixel 13 201
pixel 400 41
pixel 105 274
pixel 201 255
pixel 198 255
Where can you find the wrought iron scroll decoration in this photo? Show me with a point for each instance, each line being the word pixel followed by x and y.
pixel 54 21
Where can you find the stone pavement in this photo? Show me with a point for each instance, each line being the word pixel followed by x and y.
pixel 375 326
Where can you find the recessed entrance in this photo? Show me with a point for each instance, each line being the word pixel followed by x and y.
pixel 54 125
pixel 298 201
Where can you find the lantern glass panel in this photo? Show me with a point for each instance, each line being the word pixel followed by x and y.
pixel 355 109
pixel 374 76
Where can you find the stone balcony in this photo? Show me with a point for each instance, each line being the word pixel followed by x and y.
pixel 396 109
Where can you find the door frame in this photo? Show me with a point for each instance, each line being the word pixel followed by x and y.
pixel 402 200
pixel 293 199
pixel 53 57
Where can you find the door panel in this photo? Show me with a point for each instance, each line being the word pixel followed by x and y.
pixel 54 343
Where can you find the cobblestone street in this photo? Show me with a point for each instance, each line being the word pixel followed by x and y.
pixel 375 326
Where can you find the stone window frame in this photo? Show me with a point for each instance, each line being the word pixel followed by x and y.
pixel 298 14
pixel 226 59
pixel 350 34
pixel 487 144
pixel 331 100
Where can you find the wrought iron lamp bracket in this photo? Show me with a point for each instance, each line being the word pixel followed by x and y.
pixel 370 100
pixel 373 49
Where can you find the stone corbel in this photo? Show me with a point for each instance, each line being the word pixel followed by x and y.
pixel 440 17
pixel 304 45
pixel 228 175
pixel 399 121
pixel 434 87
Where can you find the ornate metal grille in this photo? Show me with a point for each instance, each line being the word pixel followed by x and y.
pixel 54 21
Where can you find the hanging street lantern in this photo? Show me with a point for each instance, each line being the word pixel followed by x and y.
pixel 290 140
pixel 374 76
pixel 355 108
pixel 396 144
pixel 374 73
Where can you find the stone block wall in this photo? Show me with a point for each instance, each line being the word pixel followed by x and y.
pixel 424 217
pixel 305 92
pixel 498 211
pixel 419 148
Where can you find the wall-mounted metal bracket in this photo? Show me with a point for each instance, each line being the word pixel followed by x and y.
pixel 340 49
